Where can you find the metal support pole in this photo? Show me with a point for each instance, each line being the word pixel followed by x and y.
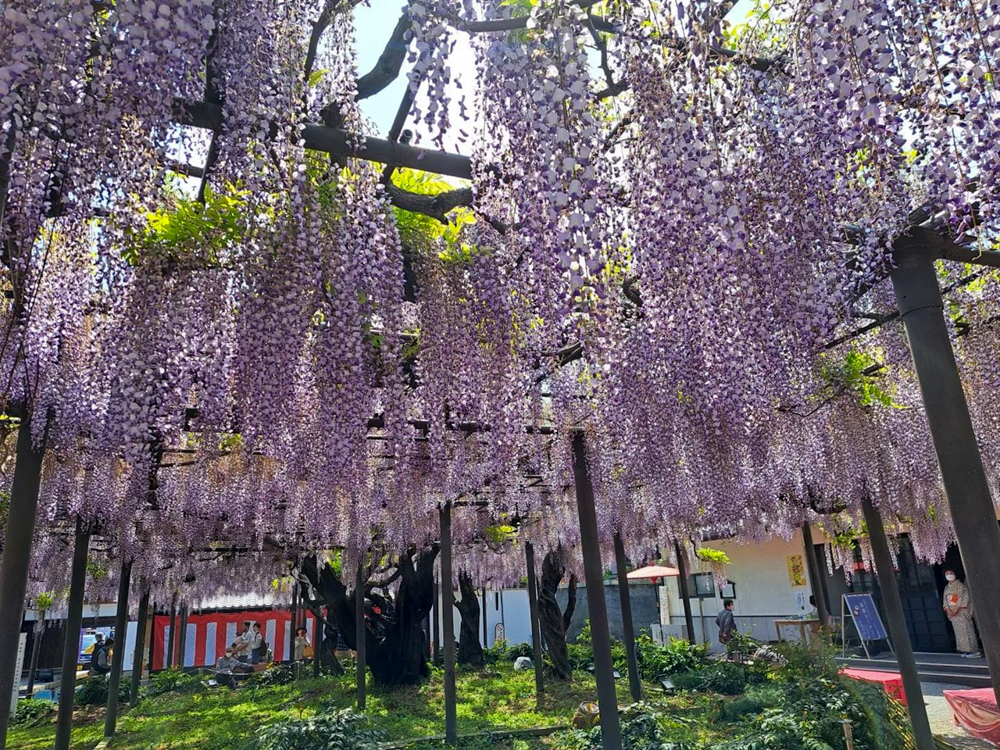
pixel 536 630
pixel 973 514
pixel 140 646
pixel 18 533
pixel 360 636
pixel 897 628
pixel 683 581
pixel 118 655
pixel 448 620
pixel 182 637
pixel 604 670
pixel 173 632
pixel 814 575
pixel 634 687
pixel 71 644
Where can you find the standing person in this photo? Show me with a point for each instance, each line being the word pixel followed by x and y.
pixel 257 646
pixel 100 660
pixel 303 649
pixel 241 647
pixel 726 622
pixel 958 607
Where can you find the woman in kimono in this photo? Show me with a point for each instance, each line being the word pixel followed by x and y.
pixel 958 607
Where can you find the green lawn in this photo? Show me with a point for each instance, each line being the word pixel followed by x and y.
pixel 222 720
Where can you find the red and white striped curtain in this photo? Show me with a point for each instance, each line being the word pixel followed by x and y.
pixel 208 634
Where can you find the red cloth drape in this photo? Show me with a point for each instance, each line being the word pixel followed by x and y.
pixel 892 682
pixel 976 712
pixel 205 652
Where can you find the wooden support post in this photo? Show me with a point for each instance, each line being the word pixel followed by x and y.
pixel 36 648
pixel 360 635
pixel 684 583
pixel 169 663
pixel 436 626
pixel 973 514
pixel 140 644
pixel 486 625
pixel 536 629
pixel 18 533
pixel 604 670
pixel 634 686
pixel 448 622
pixel 71 644
pixel 897 628
pixel 294 622
pixel 118 655
pixel 814 575
pixel 182 637
pixel 317 640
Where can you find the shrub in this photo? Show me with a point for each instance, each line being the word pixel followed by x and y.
pixel 502 652
pixel 329 730
pixel 752 703
pixel 275 674
pixel 722 677
pixel 675 657
pixel 644 727
pixel 94 691
pixel 174 681
pixel 31 711
pixel 809 715
pixel 807 661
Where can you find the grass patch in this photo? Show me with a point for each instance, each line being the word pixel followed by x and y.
pixel 219 719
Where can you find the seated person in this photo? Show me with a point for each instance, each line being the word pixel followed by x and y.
pixel 226 668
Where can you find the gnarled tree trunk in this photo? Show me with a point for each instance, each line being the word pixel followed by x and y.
pixel 394 639
pixel 553 620
pixel 470 651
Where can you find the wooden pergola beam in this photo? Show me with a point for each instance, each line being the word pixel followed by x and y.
pixel 338 142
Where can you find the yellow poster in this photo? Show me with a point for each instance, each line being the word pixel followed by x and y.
pixel 796 570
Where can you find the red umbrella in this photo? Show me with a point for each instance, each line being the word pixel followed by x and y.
pixel 653 573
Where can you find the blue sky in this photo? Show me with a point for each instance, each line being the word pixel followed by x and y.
pixel 374 23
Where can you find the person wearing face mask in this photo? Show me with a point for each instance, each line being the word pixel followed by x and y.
pixel 958 607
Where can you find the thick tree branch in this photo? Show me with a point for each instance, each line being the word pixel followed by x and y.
pixel 319 26
pixel 436 206
pixel 390 62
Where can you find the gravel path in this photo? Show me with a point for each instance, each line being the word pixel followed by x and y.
pixel 942 724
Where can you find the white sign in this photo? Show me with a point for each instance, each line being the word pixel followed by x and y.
pixel 22 641
pixel 498 633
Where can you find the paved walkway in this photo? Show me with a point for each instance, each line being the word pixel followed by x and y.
pixel 942 724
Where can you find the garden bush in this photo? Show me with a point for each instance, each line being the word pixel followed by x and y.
pixel 810 715
pixel 644 726
pixel 752 702
pixel 725 678
pixel 328 730
pixel 275 674
pixel 675 657
pixel 174 681
pixel 502 652
pixel 31 711
pixel 94 691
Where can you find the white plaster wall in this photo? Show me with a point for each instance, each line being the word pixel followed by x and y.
pixel 763 589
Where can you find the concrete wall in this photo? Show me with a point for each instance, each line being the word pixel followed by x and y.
pixel 643 604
